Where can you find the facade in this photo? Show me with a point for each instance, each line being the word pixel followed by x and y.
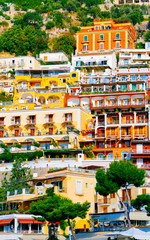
pixel 105 35
pixel 78 185
pixel 95 60
pixel 13 63
pixel 139 2
pixel 53 57
pixel 134 57
pixel 118 103
pixel 55 127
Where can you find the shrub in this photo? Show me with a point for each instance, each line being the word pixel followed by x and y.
pixel 50 24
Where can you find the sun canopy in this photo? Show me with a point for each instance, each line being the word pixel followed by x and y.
pixel 131 233
pixel 5 221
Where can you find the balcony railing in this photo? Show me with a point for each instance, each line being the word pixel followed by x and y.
pixel 127 121
pixel 102 135
pixel 112 136
pixel 125 136
pixel 101 123
pixel 134 151
pixel 31 121
pixel 142 121
pixel 113 122
pixel 15 122
pixel 140 136
pixel 104 201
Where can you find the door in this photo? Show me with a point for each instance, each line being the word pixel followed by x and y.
pixel 1 133
pixel 32 132
pixel 139 148
pixel 16 131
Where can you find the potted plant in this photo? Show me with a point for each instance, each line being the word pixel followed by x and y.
pixel 120 143
pixel 106 142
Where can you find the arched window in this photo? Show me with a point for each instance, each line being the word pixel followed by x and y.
pixel 73 75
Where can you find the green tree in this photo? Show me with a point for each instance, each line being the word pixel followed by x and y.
pixel 147 36
pixel 141 201
pixel 58 19
pixel 50 24
pixel 57 208
pixel 73 5
pixel 21 41
pixel 136 16
pixel 140 45
pixel 30 18
pixel 120 174
pixel 19 175
pixel 64 43
pixel 95 12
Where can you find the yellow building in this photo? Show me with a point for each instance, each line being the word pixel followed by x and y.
pixel 51 127
pixel 42 88
pixel 78 185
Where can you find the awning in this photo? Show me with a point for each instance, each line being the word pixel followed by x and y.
pixel 5 221
pixel 30 221
pixel 81 224
pixel 37 222
pixel 26 221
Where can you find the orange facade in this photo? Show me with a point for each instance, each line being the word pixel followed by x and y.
pixel 105 35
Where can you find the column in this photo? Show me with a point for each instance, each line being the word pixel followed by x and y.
pixel 105 119
pixel 120 123
pixel 134 117
pixel 29 228
pixel 15 225
pixel 104 88
pixel 93 42
pixel 109 40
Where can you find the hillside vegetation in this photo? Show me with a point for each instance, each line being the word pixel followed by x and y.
pixel 37 25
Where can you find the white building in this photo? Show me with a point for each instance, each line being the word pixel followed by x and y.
pixel 13 63
pixel 97 60
pixel 133 57
pixel 53 57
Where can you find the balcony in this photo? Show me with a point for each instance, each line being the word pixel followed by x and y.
pixel 99 136
pixel 49 122
pixel 68 120
pixel 104 201
pixel 126 136
pixel 113 122
pixel 142 121
pixel 101 123
pixel 100 40
pixel 129 121
pixel 31 121
pixel 144 151
pixel 140 136
pixel 15 123
pixel 112 137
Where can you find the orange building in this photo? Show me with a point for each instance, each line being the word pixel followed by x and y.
pixel 106 34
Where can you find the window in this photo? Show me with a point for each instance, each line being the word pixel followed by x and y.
pixel 79 187
pixel 78 64
pixel 85 38
pixel 139 55
pixel 117 35
pixel 144 191
pixel 91 185
pixel 89 135
pixel 134 77
pixel 112 195
pixel 73 75
pixel 134 86
pixel 126 61
pixel 30 61
pixel 64 80
pixel 117 45
pixel 96 28
pixel 102 27
pixel 68 117
pixel 45 58
pixel 108 27
pixel 85 47
pixel 101 37
pixel 90 124
pixel 86 185
pixel 101 46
